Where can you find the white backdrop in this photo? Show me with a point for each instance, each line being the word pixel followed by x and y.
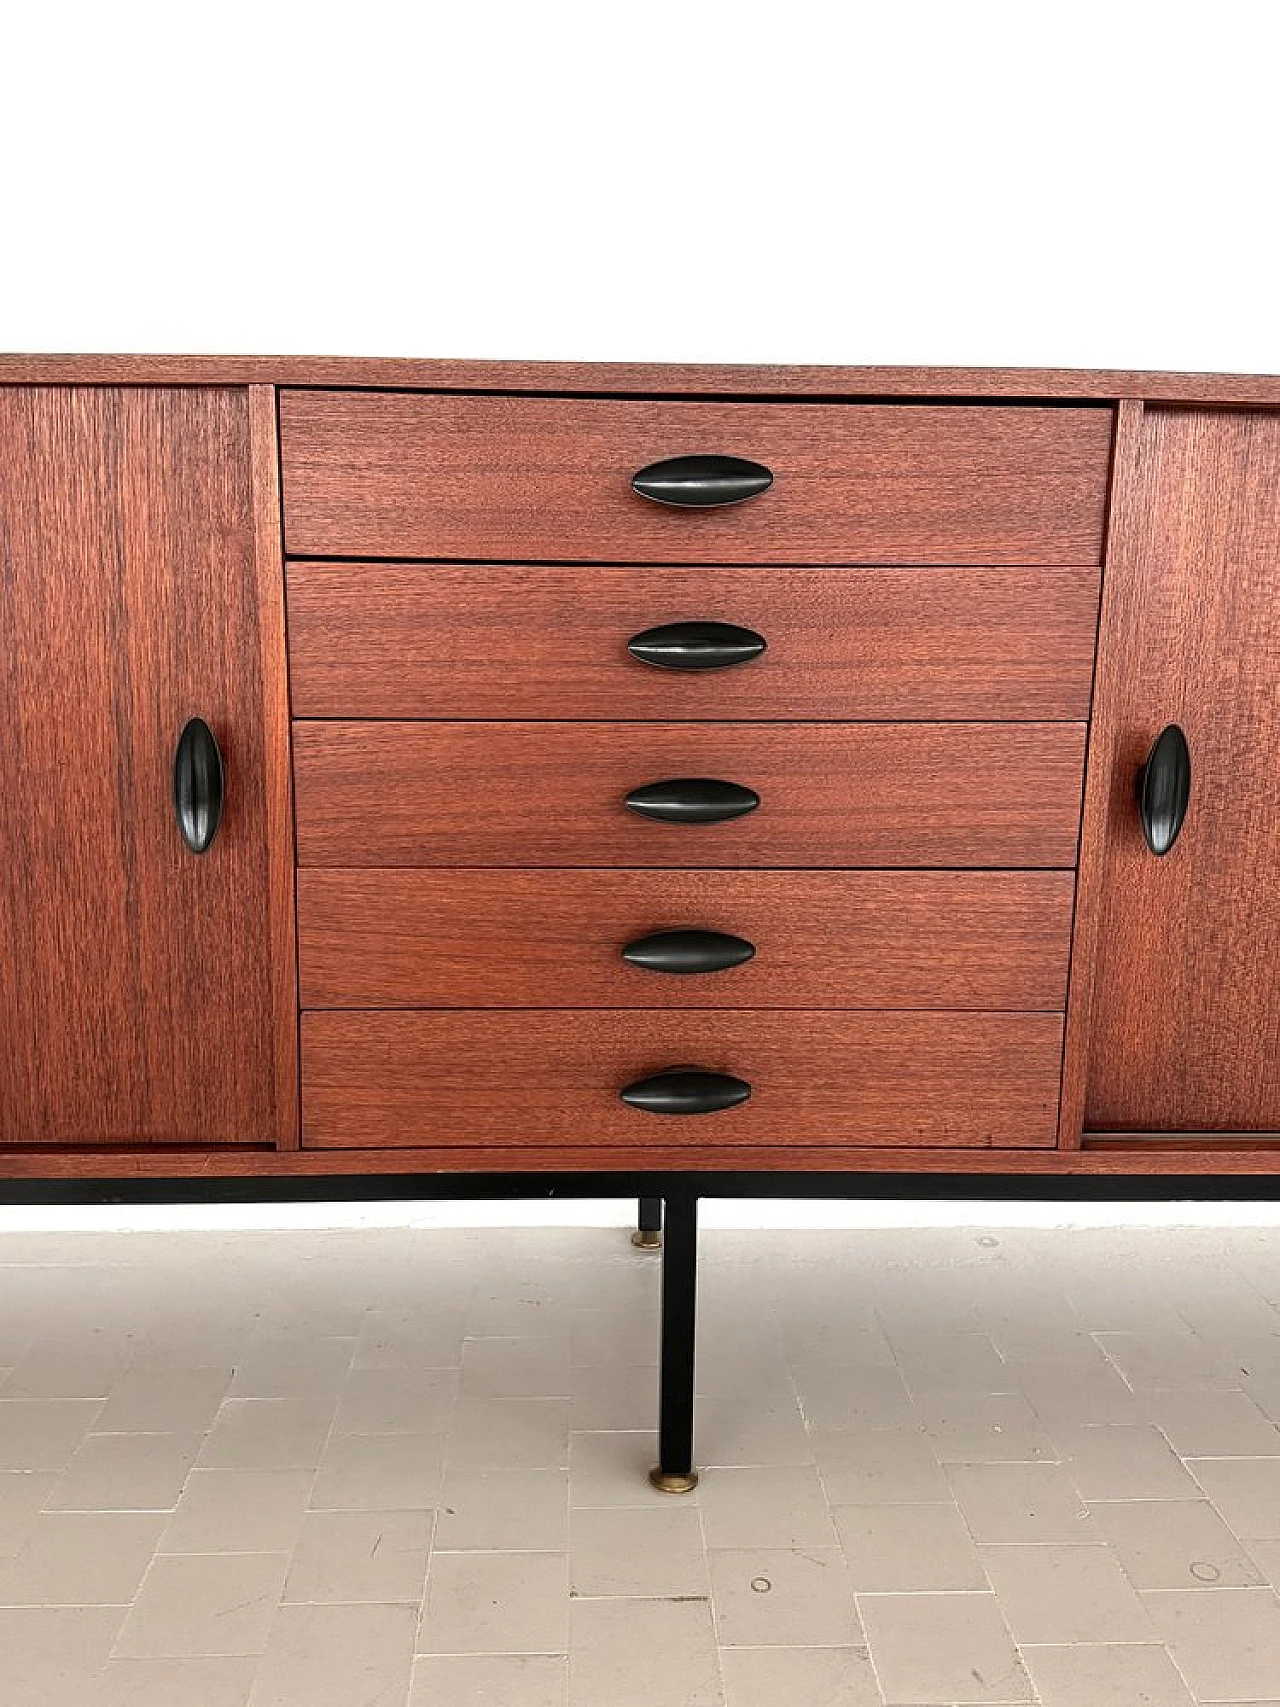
pixel 1077 184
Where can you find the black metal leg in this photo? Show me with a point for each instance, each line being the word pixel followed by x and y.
pixel 675 1473
pixel 648 1233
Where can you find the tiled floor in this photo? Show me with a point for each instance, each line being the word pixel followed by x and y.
pixel 407 1469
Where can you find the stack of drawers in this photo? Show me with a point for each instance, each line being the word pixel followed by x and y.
pixel 469 579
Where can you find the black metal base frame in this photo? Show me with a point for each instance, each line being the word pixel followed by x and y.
pixel 667 1207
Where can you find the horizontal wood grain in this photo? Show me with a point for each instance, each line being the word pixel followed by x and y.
pixel 491 640
pixel 533 1078
pixel 846 794
pixel 851 939
pixel 405 475
pixel 718 379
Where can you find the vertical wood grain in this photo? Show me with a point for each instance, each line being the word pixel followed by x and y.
pixel 142 985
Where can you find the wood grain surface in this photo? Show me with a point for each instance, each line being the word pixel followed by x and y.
pixel 670 378
pixel 845 794
pixel 1185 1020
pixel 403 475
pixel 142 990
pixel 489 640
pixel 525 1079
pixel 851 939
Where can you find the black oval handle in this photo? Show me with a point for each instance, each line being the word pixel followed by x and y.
pixel 692 800
pixel 702 482
pixel 1163 789
pixel 689 951
pixel 197 785
pixel 697 645
pixel 686 1090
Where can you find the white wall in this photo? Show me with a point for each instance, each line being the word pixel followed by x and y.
pixel 963 183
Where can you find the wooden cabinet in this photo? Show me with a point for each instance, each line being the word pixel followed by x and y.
pixel 146 993
pixel 897 826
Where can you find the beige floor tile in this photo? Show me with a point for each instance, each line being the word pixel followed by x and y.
pixel 942 1648
pixel 42 1434
pixel 834 1396
pixel 1063 1396
pixel 1149 1359
pixel 53 1655
pixel 733 1428
pixel 22 1497
pixel 1090 1676
pixel 88 1368
pixel 1175 1544
pixel 292 1367
pixel 984 1428
pixel 605 1339
pixel 615 1399
pixel 953 1363
pixel 397 1401
pixel 1121 1463
pixel 799 1677
pixel 1265 1552
pixel 379 1472
pixel 1246 1492
pixel 357 1556
pixel 164 1401
pixel 428 1338
pixel 510 1434
pixel 885 1467
pixel 337 1656
pixel 204 1604
pixel 1206 1422
pixel 1058 1594
pixel 1021 1502
pixel 126 1472
pixel 767 1597
pixel 643 1653
pixel 647 1554
pixel 239 1511
pixel 496 1603
pixel 613 1469
pixel 490 1680
pixel 504 1367
pixel 1225 1642
pixel 175 1683
pixel 908 1549
pixel 495 1510
pixel 268 1434
pixel 781 1505
pixel 81 1559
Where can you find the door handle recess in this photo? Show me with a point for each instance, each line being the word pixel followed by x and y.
pixel 686 1090
pixel 692 800
pixel 689 951
pixel 702 482
pixel 197 785
pixel 1163 789
pixel 697 645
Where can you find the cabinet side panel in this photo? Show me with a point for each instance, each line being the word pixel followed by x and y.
pixel 1185 1025
pixel 139 1001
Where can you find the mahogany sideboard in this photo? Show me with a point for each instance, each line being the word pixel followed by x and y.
pixel 442 770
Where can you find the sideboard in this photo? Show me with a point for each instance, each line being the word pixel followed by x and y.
pixel 443 770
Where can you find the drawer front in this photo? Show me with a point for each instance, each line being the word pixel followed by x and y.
pixel 490 640
pixel 420 475
pixel 537 794
pixel 554 1078
pixel 528 939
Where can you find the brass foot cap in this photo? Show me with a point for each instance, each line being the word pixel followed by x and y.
pixel 673 1484
pixel 647 1241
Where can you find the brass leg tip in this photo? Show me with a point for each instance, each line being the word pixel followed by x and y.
pixel 647 1241
pixel 667 1483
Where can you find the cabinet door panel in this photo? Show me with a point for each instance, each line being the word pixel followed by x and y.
pixel 145 992
pixel 1186 1003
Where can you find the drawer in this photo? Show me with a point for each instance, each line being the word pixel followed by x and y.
pixel 538 1078
pixel 538 794
pixel 410 474
pixel 493 640
pixel 528 939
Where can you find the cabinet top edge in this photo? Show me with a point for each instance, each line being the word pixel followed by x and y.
pixel 673 379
